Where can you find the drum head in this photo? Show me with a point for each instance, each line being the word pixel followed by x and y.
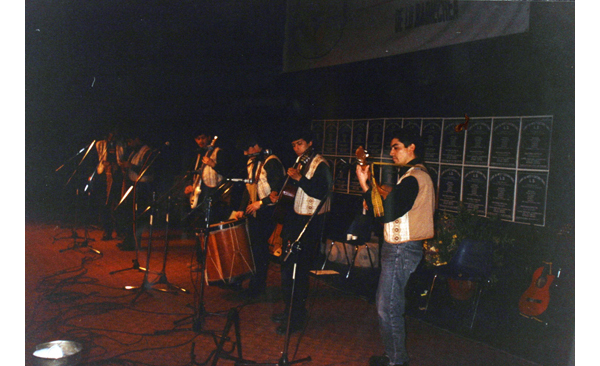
pixel 227 224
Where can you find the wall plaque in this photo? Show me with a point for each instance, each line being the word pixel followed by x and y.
pixel 474 191
pixel 412 125
pixel 501 194
pixel 330 138
pixel 431 137
pixel 534 148
pixel 531 197
pixel 359 135
pixel 505 139
pixel 341 174
pixel 318 129
pixel 453 143
pixel 375 143
pixel 449 189
pixel 477 149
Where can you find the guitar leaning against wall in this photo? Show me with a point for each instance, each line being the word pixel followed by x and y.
pixel 536 299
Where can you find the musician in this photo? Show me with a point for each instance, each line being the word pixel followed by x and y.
pixel 314 182
pixel 265 174
pixel 408 220
pixel 111 154
pixel 138 162
pixel 212 164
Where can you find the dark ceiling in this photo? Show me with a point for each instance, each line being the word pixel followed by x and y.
pixel 92 64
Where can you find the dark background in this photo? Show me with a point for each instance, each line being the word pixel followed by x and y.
pixel 167 67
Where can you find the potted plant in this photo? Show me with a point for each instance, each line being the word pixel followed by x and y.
pixel 452 228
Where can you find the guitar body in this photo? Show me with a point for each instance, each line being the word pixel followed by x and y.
pixel 285 203
pixel 285 198
pixel 377 191
pixel 195 195
pixel 535 299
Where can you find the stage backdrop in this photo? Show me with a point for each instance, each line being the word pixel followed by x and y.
pixel 330 32
pixel 494 165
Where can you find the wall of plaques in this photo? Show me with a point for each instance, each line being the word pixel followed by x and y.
pixel 496 166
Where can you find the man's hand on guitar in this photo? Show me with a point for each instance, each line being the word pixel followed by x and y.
pixel 253 207
pixel 274 196
pixel 363 174
pixel 189 190
pixel 294 173
pixel 208 161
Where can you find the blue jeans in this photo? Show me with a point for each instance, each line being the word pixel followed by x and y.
pixel 398 261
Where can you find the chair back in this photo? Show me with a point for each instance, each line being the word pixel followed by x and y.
pixel 473 259
pixel 360 229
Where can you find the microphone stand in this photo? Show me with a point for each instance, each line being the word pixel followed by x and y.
pixel 162 276
pixel 200 313
pixel 136 263
pixel 145 286
pixel 78 165
pixel 294 247
pixel 74 235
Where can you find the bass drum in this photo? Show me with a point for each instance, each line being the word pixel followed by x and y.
pixel 228 253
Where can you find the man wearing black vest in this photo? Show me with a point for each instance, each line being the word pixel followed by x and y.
pixel 313 178
pixel 265 175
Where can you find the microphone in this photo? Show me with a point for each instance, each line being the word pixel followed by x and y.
pixel 249 181
pixel 263 152
pixel 166 144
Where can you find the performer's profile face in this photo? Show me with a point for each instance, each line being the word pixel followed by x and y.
pixel 400 153
pixel 300 146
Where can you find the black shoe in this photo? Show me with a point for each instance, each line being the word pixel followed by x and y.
pixel 279 317
pixel 383 360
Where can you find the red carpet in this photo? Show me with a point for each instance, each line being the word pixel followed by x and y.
pixel 71 294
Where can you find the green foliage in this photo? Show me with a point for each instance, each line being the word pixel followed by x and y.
pixel 451 228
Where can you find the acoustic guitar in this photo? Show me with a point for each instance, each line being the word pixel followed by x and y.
pixel 377 191
pixel 535 299
pixel 195 195
pixel 287 194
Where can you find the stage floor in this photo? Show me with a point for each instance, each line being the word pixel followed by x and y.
pixel 71 294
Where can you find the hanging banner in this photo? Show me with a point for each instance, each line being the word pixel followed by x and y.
pixel 331 32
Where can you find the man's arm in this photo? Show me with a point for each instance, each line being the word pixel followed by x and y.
pixel 275 177
pixel 401 199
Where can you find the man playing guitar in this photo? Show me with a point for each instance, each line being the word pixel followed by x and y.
pixel 209 169
pixel 314 182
